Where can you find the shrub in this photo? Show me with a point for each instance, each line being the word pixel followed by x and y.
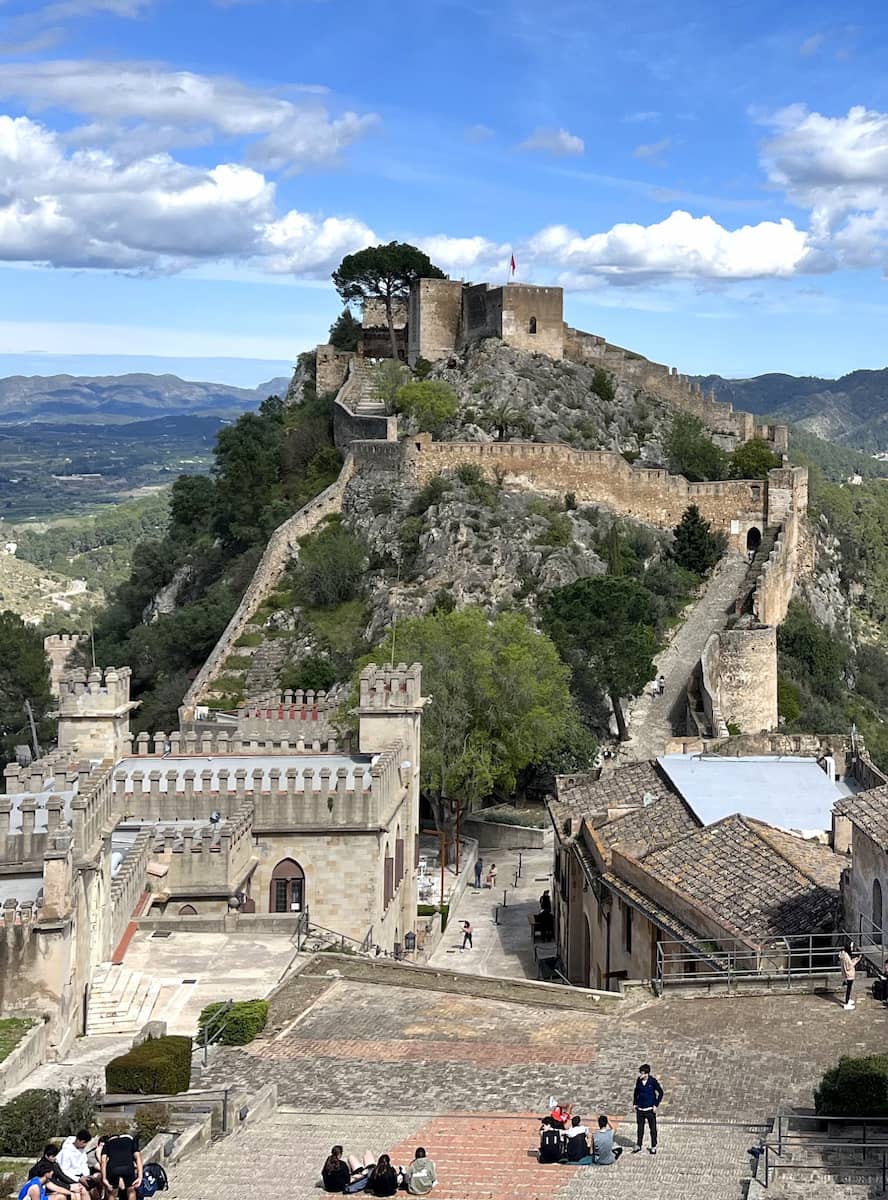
pixel 559 531
pixel 428 495
pixel 570 501
pixel 160 1065
pixel 855 1087
pixel 469 474
pixel 312 674
pixel 331 567
pixel 27 1121
pixel 245 1021
pixel 381 502
pixel 430 402
pixel 422 368
pixel 150 1120
pixel 79 1105
pixel 696 547
pixel 237 662
pixel 602 385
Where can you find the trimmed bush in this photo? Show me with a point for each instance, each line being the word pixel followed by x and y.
pixel 150 1120
pixel 160 1066
pixel 855 1087
pixel 245 1021
pixel 27 1121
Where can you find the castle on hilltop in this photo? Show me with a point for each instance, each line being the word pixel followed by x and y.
pixel 444 316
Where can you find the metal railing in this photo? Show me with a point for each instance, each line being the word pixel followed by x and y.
pixel 732 960
pixel 822 1150
pixel 213 1028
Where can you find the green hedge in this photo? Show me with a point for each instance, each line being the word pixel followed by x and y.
pixel 28 1121
pixel 160 1066
pixel 855 1087
pixel 245 1021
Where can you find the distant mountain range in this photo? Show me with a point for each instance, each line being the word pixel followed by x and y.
pixel 82 399
pixel 852 411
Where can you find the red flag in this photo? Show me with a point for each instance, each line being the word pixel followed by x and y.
pixel 513 266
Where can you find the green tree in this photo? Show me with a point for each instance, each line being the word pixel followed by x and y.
pixel 500 701
pixel 192 504
pixel 345 332
pixel 384 273
pixel 604 629
pixel 248 473
pixel 24 675
pixel 331 566
pixel 387 379
pixel 696 547
pixel 753 460
pixel 603 385
pixel 430 402
pixel 506 415
pixel 691 452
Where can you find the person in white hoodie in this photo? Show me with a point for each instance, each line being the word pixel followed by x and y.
pixel 421 1176
pixel 72 1164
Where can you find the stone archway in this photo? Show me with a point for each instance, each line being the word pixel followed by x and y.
pixel 753 539
pixel 286 892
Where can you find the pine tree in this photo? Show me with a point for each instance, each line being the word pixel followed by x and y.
pixel 696 547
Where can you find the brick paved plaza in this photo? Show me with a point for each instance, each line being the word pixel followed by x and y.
pixel 384 1068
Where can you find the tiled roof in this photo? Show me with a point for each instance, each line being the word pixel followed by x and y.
pixel 814 859
pixel 591 795
pixel 650 827
pixel 738 871
pixel 869 812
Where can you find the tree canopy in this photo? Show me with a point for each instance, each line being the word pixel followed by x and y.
pixel 430 402
pixel 753 460
pixel 500 701
pixel 24 675
pixel 383 272
pixel 345 331
pixel 696 547
pixel 691 452
pixel 605 629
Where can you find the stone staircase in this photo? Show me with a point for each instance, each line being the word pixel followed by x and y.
pixel 120 1000
pixel 361 398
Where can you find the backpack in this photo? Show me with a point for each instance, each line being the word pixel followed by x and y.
pixel 154 1179
pixel 358 1184
pixel 550 1146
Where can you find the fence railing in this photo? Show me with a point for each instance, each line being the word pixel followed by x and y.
pixel 794 1146
pixel 732 960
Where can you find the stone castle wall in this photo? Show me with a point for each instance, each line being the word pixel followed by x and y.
pixel 599 477
pixel 58 648
pixel 280 549
pixel 728 428
pixel 775 585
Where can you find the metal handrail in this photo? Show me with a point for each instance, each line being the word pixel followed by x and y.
pixel 222 1017
pixel 879 1151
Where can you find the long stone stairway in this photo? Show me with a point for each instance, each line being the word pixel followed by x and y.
pixel 362 396
pixel 649 718
pixel 120 1000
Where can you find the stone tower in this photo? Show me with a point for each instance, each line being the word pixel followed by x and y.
pixel 94 712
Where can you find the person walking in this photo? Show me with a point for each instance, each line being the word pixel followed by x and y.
pixel 479 867
pixel 467 936
pixel 646 1100
pixel 491 876
pixel 848 963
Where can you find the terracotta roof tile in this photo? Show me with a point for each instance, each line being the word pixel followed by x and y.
pixel 869 812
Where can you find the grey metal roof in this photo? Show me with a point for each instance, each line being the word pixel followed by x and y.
pixel 785 790
pixel 247 762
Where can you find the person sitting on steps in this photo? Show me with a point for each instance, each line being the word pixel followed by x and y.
pixel 421 1176
pixel 576 1140
pixel 384 1179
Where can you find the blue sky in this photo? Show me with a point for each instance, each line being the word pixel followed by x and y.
pixel 709 183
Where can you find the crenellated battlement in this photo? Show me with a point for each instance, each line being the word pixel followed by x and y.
pixel 393 688
pixel 283 737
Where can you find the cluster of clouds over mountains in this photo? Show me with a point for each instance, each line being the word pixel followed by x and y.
pixel 96 177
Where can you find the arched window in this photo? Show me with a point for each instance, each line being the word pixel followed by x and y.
pixel 287 891
pixel 187 910
pixel 532 325
pixel 877 911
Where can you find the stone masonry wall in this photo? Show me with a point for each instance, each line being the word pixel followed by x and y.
pixel 740 679
pixel 434 319
pixel 532 319
pixel 595 476
pixel 774 588
pixel 332 369
pixel 278 552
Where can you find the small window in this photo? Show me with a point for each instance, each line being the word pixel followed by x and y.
pixel 532 325
pixel 187 910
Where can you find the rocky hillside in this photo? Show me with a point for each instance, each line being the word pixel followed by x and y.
pixel 506 393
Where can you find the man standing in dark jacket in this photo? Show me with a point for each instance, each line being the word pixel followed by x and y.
pixel 646 1100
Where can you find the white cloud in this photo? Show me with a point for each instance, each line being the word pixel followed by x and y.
pixel 181 107
pixel 680 247
pixel 463 256
pixel 812 44
pixel 554 141
pixel 83 208
pixel 654 151
pixel 838 168
pixel 478 133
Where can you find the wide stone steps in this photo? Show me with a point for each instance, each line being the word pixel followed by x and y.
pixel 362 399
pixel 120 1000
